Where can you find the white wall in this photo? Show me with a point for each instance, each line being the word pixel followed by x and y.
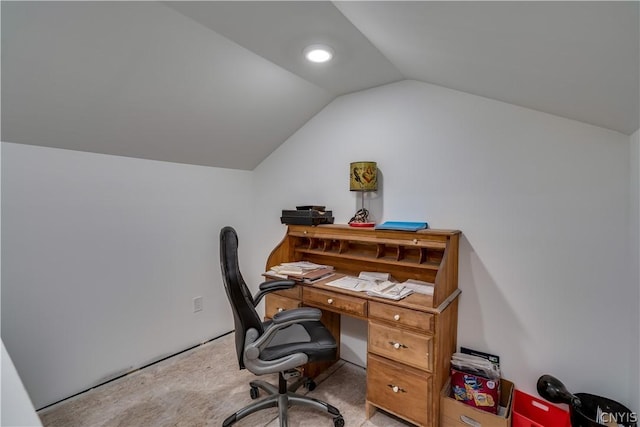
pixel 16 409
pixel 102 256
pixel 635 247
pixel 542 201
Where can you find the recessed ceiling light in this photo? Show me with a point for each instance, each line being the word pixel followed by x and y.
pixel 318 53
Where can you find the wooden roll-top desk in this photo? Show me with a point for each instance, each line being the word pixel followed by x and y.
pixel 410 341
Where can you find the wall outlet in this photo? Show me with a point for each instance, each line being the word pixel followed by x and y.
pixel 197 304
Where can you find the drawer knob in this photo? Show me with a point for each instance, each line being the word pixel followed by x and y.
pixel 280 309
pixel 396 389
pixel 397 345
pixel 415 241
pixel 330 301
pixel 396 317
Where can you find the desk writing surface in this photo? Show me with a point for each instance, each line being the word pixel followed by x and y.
pixel 414 301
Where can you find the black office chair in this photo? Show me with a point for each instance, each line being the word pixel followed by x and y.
pixel 291 339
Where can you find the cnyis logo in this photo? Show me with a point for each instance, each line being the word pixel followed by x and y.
pixel 622 418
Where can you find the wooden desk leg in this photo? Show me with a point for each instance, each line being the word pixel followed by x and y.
pixel 369 410
pixel 331 321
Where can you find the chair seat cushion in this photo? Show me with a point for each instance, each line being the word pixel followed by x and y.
pixel 310 338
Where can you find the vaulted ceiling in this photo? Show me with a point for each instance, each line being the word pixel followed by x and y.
pixel 224 83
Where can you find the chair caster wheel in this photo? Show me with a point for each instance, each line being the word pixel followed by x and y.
pixel 338 421
pixel 310 385
pixel 254 392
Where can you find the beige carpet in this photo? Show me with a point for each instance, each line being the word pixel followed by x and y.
pixel 202 387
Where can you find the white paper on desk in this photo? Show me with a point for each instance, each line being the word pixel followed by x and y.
pixel 383 287
pixel 307 265
pixel 373 276
pixel 297 267
pixel 366 285
pixel 352 283
pixel 317 279
pixel 274 274
pixel 419 286
pixel 395 292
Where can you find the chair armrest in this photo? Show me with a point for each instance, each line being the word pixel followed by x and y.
pixel 254 344
pixel 270 286
pixel 296 315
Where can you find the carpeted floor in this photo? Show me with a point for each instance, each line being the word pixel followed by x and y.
pixel 202 387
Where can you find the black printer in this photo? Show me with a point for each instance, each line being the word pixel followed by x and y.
pixel 307 215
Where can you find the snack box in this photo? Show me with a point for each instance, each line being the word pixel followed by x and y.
pixel 474 390
pixel 454 413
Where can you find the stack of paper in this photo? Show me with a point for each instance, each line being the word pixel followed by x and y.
pixel 366 281
pixel 389 290
pixel 352 283
pixel 301 270
pixel 419 286
pixel 374 276
pixel 375 284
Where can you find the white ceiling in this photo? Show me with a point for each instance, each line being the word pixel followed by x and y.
pixel 224 83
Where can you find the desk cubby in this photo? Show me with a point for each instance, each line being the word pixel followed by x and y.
pixel 410 341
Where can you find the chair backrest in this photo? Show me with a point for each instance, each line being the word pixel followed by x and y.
pixel 245 316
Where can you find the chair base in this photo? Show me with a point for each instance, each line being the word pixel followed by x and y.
pixel 282 398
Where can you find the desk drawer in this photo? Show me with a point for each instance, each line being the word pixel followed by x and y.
pixel 399 389
pixel 401 345
pixel 291 293
pixel 335 302
pixel 276 303
pixel 401 316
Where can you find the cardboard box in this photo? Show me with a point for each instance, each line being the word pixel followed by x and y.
pixel 454 413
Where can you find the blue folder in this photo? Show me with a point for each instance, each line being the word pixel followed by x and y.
pixel 402 226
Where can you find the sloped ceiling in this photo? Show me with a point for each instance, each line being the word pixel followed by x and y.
pixel 224 83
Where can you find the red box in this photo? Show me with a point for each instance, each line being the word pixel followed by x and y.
pixel 529 411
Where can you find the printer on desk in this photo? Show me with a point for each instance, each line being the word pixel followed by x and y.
pixel 307 215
